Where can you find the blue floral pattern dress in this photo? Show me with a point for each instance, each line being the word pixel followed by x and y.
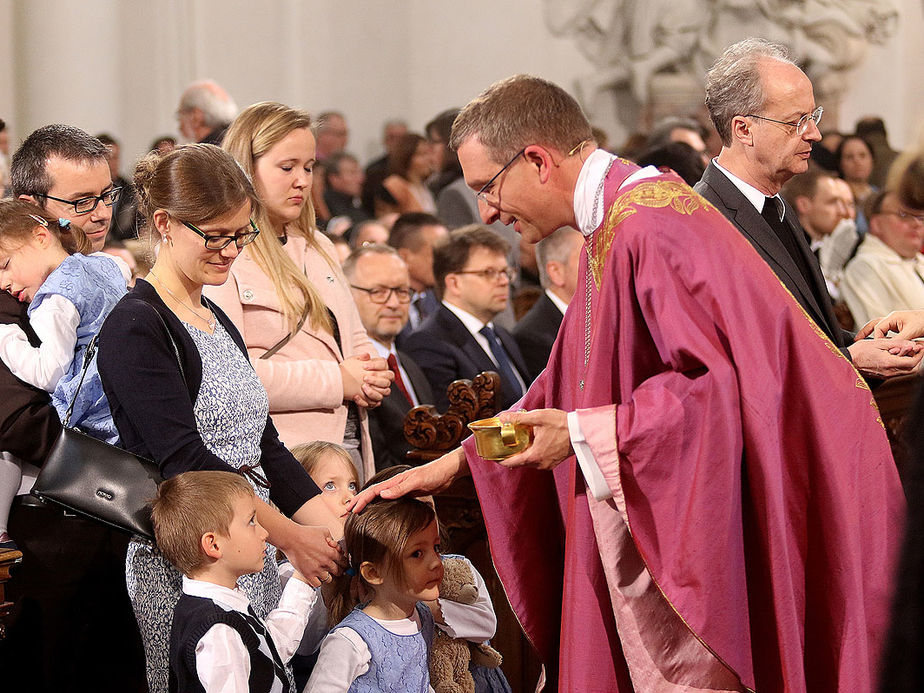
pixel 230 410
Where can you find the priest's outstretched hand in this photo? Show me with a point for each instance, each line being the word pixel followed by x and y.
pixel 551 440
pixel 425 480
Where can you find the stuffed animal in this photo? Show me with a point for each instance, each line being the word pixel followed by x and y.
pixel 450 657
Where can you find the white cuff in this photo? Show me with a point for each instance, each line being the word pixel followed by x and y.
pixel 597 485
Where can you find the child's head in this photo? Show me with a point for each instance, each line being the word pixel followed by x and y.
pixel 31 246
pixel 332 469
pixel 203 518
pixel 393 546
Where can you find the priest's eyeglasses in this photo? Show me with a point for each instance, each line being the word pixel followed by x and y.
pixel 800 125
pixel 487 188
pixel 85 205
pixel 220 242
pixel 382 294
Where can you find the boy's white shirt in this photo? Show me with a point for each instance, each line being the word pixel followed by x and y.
pixel 222 660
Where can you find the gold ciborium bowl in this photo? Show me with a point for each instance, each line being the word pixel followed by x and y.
pixel 498 441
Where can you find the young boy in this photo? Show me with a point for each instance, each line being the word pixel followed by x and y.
pixel 205 524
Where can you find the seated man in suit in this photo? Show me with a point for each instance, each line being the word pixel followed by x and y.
pixel 460 339
pixel 764 109
pixel 382 291
pixel 557 258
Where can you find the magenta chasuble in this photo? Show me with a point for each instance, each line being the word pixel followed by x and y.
pixel 756 509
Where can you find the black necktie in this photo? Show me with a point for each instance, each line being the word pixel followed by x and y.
pixel 771 214
pixel 503 361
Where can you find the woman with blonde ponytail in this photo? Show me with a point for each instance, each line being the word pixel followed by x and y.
pixel 288 296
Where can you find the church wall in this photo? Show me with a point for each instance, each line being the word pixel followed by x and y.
pixel 120 66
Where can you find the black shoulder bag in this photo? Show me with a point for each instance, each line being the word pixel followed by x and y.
pixel 100 481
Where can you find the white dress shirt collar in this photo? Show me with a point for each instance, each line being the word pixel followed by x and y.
pixel 383 351
pixel 561 305
pixel 235 599
pixel 753 195
pixel 472 324
pixel 588 205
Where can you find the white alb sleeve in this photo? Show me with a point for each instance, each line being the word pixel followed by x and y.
pixel 596 483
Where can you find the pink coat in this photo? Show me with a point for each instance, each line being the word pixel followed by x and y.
pixel 303 378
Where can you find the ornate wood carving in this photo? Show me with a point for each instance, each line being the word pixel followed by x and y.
pixel 431 434
pixel 8 558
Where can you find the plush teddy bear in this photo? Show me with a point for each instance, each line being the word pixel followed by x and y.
pixel 450 657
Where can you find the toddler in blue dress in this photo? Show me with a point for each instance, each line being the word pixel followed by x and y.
pixel 69 296
pixel 383 645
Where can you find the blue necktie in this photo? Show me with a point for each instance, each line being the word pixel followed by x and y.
pixel 503 361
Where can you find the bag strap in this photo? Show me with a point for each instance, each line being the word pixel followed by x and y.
pixel 285 340
pixel 91 352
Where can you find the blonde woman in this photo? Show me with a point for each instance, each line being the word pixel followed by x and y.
pixel 288 296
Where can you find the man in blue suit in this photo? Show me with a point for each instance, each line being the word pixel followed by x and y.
pixel 460 340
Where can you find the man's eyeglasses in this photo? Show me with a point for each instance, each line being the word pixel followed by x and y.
pixel 491 274
pixel 85 205
pixel 382 294
pixel 906 216
pixel 800 125
pixel 486 188
pixel 216 242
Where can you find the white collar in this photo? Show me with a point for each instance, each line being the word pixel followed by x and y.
pixel 876 246
pixel 588 183
pixel 585 190
pixel 561 305
pixel 383 351
pixel 753 195
pixel 234 599
pixel 472 324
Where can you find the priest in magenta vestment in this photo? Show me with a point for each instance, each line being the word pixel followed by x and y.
pixel 731 515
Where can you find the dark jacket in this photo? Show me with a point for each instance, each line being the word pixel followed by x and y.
pixel 810 291
pixel 536 333
pixel 447 351
pixel 152 401
pixel 29 425
pixel 386 422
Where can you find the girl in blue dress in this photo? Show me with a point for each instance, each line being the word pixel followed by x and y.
pixel 383 645
pixel 44 261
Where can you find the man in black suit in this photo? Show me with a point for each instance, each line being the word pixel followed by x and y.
pixel 460 340
pixel 763 108
pixel 382 291
pixel 557 258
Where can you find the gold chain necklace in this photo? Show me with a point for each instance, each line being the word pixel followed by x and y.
pixel 210 321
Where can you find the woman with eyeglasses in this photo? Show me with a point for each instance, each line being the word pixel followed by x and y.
pixel 183 393
pixel 290 299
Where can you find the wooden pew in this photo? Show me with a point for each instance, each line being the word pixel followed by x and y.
pixel 431 435
pixel 8 558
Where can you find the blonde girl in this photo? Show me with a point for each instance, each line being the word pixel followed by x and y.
pixel 290 299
